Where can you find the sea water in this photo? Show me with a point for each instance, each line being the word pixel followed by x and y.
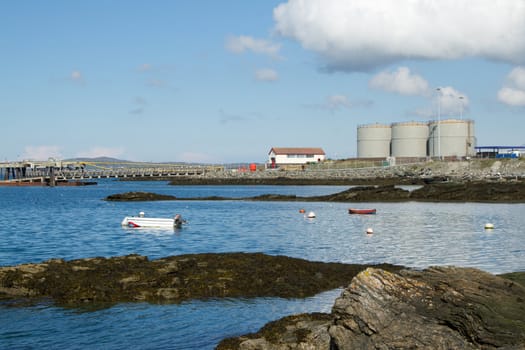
pixel 41 223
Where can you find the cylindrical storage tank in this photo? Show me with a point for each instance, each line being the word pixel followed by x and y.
pixel 448 138
pixel 409 139
pixel 373 141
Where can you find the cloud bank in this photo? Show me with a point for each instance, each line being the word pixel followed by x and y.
pixel 359 35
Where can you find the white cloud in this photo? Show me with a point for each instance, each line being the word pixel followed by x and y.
pixel 513 92
pixel 266 74
pixel 243 43
pixel 362 34
pixel 517 77
pixel 402 81
pixel 512 97
pixel 452 102
pixel 113 152
pixel 41 152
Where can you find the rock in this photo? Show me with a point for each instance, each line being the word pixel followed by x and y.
pixel 438 308
pixel 173 279
pixel 304 332
pixel 139 196
pixel 437 189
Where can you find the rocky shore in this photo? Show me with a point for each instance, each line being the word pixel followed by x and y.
pixel 438 308
pixel 382 306
pixel 344 173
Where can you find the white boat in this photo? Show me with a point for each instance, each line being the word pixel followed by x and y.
pixel 145 222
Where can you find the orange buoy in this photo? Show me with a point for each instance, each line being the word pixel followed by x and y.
pixel 301 211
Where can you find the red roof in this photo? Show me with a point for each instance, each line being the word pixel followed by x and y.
pixel 297 150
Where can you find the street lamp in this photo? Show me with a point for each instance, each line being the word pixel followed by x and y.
pixel 461 107
pixel 439 122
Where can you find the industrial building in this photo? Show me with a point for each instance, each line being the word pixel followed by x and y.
pixel 436 139
pixel 291 156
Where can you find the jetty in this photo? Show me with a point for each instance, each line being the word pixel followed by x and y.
pixel 58 172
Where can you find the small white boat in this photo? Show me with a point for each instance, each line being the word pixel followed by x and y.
pixel 145 222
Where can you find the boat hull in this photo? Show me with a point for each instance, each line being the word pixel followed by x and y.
pixel 362 211
pixel 142 222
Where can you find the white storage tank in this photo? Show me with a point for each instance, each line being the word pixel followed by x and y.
pixel 451 138
pixel 409 139
pixel 373 141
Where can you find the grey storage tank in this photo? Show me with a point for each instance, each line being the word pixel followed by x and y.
pixel 451 138
pixel 373 141
pixel 409 139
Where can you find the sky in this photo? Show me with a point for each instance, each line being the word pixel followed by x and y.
pixel 225 81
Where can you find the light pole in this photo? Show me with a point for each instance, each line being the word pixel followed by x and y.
pixel 439 122
pixel 461 107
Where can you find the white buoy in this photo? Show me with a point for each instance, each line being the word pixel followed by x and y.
pixel 489 226
pixel 369 231
pixel 311 215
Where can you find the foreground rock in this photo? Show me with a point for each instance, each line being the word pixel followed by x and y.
pixel 173 279
pixel 438 308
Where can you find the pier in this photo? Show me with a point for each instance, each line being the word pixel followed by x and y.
pixel 54 172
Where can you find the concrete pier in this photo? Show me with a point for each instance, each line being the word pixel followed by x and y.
pixel 52 171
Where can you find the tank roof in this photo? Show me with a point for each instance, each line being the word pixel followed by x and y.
pixel 374 125
pixel 410 123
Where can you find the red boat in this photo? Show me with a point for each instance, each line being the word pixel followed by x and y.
pixel 361 211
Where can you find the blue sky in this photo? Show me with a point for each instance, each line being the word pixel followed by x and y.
pixel 224 81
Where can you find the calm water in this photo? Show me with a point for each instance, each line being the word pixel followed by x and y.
pixel 43 223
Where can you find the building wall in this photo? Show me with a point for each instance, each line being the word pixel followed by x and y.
pixel 295 159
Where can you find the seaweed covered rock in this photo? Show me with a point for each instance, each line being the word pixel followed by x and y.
pixel 139 196
pixel 509 191
pixel 173 279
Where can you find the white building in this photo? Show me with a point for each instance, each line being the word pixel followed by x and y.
pixel 294 155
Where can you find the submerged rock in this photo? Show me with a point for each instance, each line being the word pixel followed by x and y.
pixel 173 279
pixel 438 308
